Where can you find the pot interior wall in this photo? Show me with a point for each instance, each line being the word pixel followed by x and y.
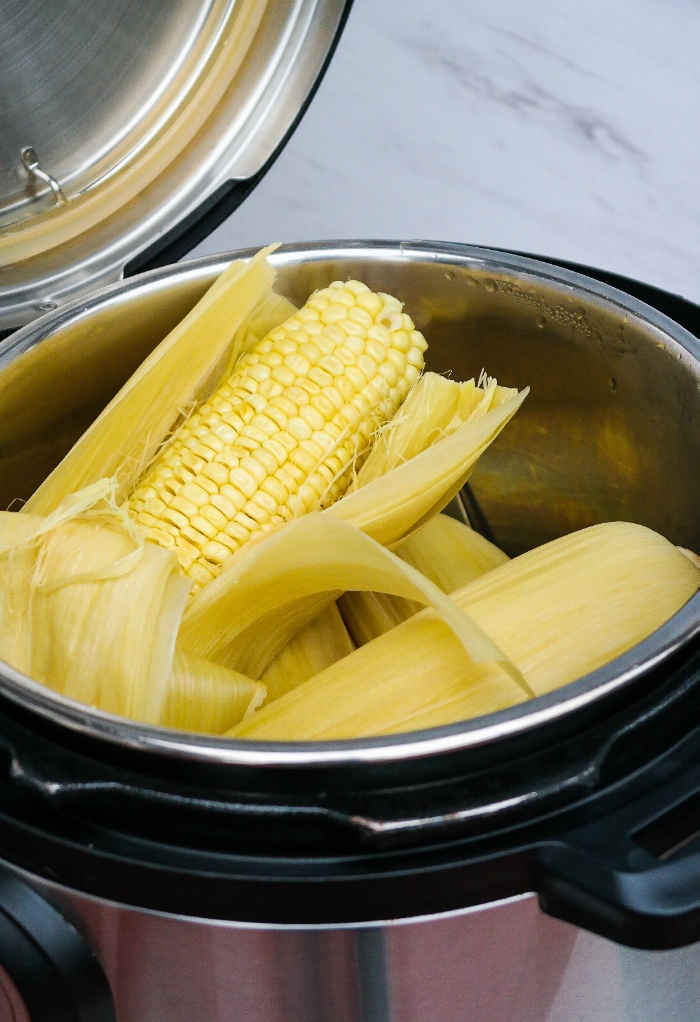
pixel 609 431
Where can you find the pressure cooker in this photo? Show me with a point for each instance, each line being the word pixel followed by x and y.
pixel 502 867
pixel 539 864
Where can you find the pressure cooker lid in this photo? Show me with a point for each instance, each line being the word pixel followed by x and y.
pixel 124 125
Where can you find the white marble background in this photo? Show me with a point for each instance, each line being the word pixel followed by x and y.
pixel 569 128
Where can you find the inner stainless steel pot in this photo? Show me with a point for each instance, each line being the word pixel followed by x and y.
pixel 610 431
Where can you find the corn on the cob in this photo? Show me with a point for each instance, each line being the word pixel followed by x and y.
pixel 285 433
pixel 387 508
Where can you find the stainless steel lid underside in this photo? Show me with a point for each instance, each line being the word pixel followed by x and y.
pixel 610 431
pixel 119 118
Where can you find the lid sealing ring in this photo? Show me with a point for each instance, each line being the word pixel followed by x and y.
pixel 31 164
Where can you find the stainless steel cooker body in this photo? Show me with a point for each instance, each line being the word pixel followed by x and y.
pixel 391 878
pixel 502 962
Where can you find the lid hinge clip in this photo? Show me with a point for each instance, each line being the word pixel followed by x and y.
pixel 30 161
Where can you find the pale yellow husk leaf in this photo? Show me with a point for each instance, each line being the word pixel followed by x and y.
pixel 449 553
pixel 434 408
pixel 128 433
pixel 98 611
pixel 389 507
pixel 257 645
pixel 369 615
pixel 17 564
pixel 446 551
pixel 207 698
pixel 312 554
pixel 315 646
pixel 690 555
pixel 271 311
pixel 559 611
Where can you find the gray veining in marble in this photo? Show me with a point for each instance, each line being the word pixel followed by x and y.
pixel 556 127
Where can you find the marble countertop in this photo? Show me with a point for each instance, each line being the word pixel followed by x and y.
pixel 565 129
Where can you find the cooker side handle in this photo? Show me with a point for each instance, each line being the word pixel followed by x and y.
pixel 632 873
pixel 48 961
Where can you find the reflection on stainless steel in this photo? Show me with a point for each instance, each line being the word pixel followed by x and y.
pixel 173 969
pixel 144 57
pixel 373 978
pixel 504 961
pixel 12 1007
pixel 580 451
pixel 166 968
pixel 102 90
pixel 30 161
pixel 474 515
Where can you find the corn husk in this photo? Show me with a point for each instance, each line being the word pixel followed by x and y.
pixel 449 553
pixel 61 596
pixel 128 433
pixel 205 697
pixel 98 608
pixel 316 646
pixel 446 551
pixel 369 615
pixel 308 556
pixel 257 645
pixel 690 555
pixel 272 311
pixel 559 611
pixel 389 507
pixel 434 408
pixel 18 557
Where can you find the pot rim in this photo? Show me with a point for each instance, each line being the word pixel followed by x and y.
pixel 562 703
